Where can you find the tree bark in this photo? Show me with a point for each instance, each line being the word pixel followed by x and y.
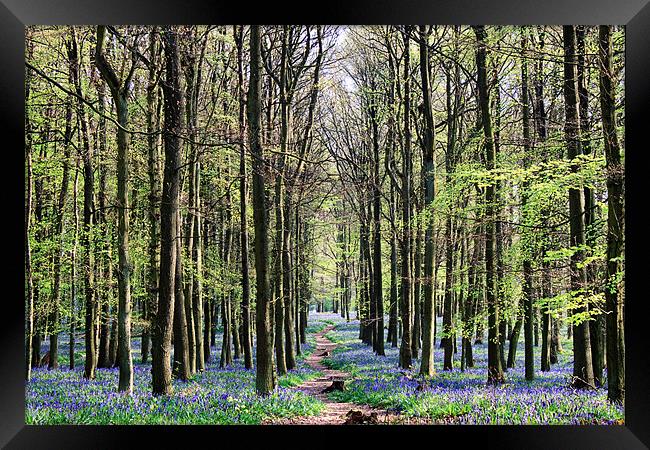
pixel 583 375
pixel 265 380
pixel 527 286
pixel 405 295
pixel 162 329
pixel 243 199
pixel 181 367
pixel 29 307
pixel 378 342
pixel 119 91
pixel 59 223
pixel 614 300
pixel 153 167
pixel 91 303
pixel 495 369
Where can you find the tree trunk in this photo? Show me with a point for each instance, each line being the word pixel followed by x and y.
pixel 378 300
pixel 162 329
pixel 226 303
pixel 446 339
pixel 289 332
pixel 596 326
pixel 417 299
pixel 265 376
pixel 153 167
pixel 119 91
pixel 181 364
pixel 495 369
pixel 59 223
pixel 582 368
pixel 527 286
pixel 243 197
pixel 29 307
pixel 614 299
pixel 103 359
pixel 91 303
pixel 73 271
pixel 405 295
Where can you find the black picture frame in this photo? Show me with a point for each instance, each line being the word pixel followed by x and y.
pixel 15 14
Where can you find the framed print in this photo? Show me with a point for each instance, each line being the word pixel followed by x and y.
pixel 410 216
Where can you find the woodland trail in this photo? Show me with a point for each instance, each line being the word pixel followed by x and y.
pixel 334 412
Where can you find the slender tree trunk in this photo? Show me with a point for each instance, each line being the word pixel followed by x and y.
pixel 470 318
pixel 514 337
pixel 596 326
pixel 106 266
pixel 549 344
pixel 226 303
pixel 207 329
pixel 243 197
pixel 278 306
pixel 197 289
pixel 527 286
pixel 59 225
pixel 446 339
pixel 390 151
pixel 392 324
pixel 614 299
pixel 181 365
pixel 417 298
pixel 405 296
pixel 73 271
pixel 545 363
pixel 495 369
pixel 154 199
pixel 29 307
pixel 582 365
pixel 90 301
pixel 119 92
pixel 500 293
pixel 378 342
pixel 289 332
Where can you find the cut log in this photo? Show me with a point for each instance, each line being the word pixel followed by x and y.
pixel 45 361
pixel 337 385
pixel 355 417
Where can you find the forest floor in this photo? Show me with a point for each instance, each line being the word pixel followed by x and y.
pixel 335 412
pixel 373 384
pixel 462 396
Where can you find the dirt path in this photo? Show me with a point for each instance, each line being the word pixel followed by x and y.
pixel 334 412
